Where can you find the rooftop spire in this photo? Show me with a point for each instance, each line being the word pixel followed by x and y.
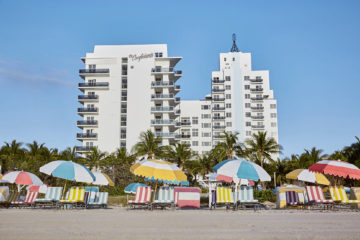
pixel 234 47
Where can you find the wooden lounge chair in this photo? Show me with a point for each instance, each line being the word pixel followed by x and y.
pixel 246 198
pixel 316 198
pixel 13 196
pixel 100 200
pixel 224 197
pixel 142 197
pixel 76 198
pixel 340 197
pixel 292 199
pixel 165 198
pixel 52 197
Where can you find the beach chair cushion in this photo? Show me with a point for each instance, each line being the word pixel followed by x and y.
pixel 246 195
pixel 338 194
pixel 101 198
pixel 224 195
pixel 165 195
pixel 142 195
pixel 316 195
pixel 292 198
pixel 76 194
pixel 13 197
pixel 53 194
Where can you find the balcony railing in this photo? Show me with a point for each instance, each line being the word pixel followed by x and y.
pixel 84 148
pixel 185 123
pixel 258 80
pixel 93 85
pixel 88 110
pixel 166 70
pixel 162 109
pixel 219 127
pixel 177 112
pixel 257 117
pixel 177 87
pixel 218 81
pixel 218 108
pixel 256 89
pixel 162 84
pixel 177 99
pixel 95 71
pixel 257 108
pixel 162 122
pixel 87 122
pixel 86 135
pixel 162 96
pixel 185 135
pixel 257 98
pixel 219 136
pixel 258 126
pixel 219 118
pixel 88 97
pixel 218 99
pixel 218 90
pixel 164 135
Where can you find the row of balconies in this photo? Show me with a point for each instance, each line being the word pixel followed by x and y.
pixel 83 149
pixel 164 97
pixel 166 70
pixel 165 84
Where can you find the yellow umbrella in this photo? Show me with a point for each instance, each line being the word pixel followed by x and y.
pixel 306 176
pixel 102 179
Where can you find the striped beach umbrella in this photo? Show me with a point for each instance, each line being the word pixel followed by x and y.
pixel 102 179
pixel 306 176
pixel 131 188
pixel 21 179
pixel 336 168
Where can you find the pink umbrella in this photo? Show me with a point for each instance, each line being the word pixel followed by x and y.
pixel 336 168
pixel 41 189
pixel 224 178
pixel 22 178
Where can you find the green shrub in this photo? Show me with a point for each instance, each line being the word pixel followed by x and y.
pixel 265 195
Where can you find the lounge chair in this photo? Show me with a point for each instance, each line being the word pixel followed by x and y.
pixel 316 197
pixel 28 201
pixel 52 197
pixel 224 197
pixel 340 197
pixel 142 197
pixel 76 198
pixel 100 200
pixel 90 194
pixel 165 198
pixel 246 198
pixel 292 199
pixel 13 196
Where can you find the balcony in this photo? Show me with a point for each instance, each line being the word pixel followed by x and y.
pixel 94 72
pixel 257 117
pixel 87 123
pixel 218 99
pixel 162 109
pixel 218 90
pixel 257 108
pixel 164 135
pixel 257 80
pixel 218 81
pixel 257 98
pixel 218 108
pixel 256 89
pixel 186 124
pixel 177 87
pixel 258 126
pixel 219 136
pixel 177 112
pixel 219 127
pixel 185 135
pixel 219 118
pixel 162 84
pixel 83 111
pixel 97 85
pixel 86 136
pixel 166 71
pixel 162 122
pixel 162 96
pixel 84 148
pixel 88 98
pixel 177 99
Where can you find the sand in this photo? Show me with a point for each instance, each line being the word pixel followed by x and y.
pixel 119 223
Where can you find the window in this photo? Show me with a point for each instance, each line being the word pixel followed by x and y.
pixel 195 120
pixel 206 134
pixel 228 124
pixel 247 96
pixel 233 59
pixel 195 143
pixel 272 106
pixel 227 78
pixel 123 144
pixel 246 78
pixel 224 59
pixel 228 115
pixel 248 133
pixel 206 125
pixel 273 115
pixel 92 66
pixel 228 96
pixel 204 107
pixel 273 124
pixel 205 116
pixel 228 87
pixel 247 105
pixel 248 124
pixel 247 87
pixel 124 83
pixel 123 133
pixel 228 105
pixel 215 78
pixel 206 143
pixel 247 114
pixel 158 54
pixel 195 132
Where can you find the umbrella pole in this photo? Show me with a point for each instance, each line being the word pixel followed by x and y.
pixel 63 197
pixel 155 190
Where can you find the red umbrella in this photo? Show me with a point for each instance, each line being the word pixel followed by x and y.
pixel 22 178
pixel 336 168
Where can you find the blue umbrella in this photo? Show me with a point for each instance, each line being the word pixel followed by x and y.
pixel 131 188
pixel 176 182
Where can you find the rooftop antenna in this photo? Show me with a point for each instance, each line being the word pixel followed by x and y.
pixel 234 47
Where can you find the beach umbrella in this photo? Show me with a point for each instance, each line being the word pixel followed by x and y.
pixel 21 179
pixel 336 168
pixel 237 169
pixel 131 188
pixel 102 179
pixel 306 176
pixel 38 188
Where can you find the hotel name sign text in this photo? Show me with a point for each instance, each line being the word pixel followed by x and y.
pixel 135 57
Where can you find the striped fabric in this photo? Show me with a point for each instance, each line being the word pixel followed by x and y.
pixel 165 195
pixel 100 199
pixel 29 199
pixel 224 195
pixel 13 196
pixel 52 194
pixel 316 195
pixel 338 194
pixel 246 195
pixel 76 194
pixel 90 194
pixel 143 195
pixel 292 198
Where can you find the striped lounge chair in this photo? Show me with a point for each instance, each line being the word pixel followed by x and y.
pixel 339 196
pixel 75 198
pixel 142 197
pixel 90 194
pixel 246 198
pixel 13 196
pixel 100 200
pixel 165 198
pixel 28 201
pixel 316 197
pixel 224 197
pixel 292 199
pixel 52 197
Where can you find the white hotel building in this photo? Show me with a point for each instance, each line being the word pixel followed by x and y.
pixel 132 88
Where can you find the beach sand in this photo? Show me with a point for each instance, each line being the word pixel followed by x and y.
pixel 119 223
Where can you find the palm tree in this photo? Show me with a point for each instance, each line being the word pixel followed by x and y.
pixel 178 153
pixel 70 154
pixel 9 155
pixel 35 148
pixel 261 148
pixel 94 158
pixel 148 145
pixel 228 147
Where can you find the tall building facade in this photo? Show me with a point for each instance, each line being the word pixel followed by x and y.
pixel 128 89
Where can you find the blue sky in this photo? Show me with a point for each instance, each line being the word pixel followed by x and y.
pixel 311 49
